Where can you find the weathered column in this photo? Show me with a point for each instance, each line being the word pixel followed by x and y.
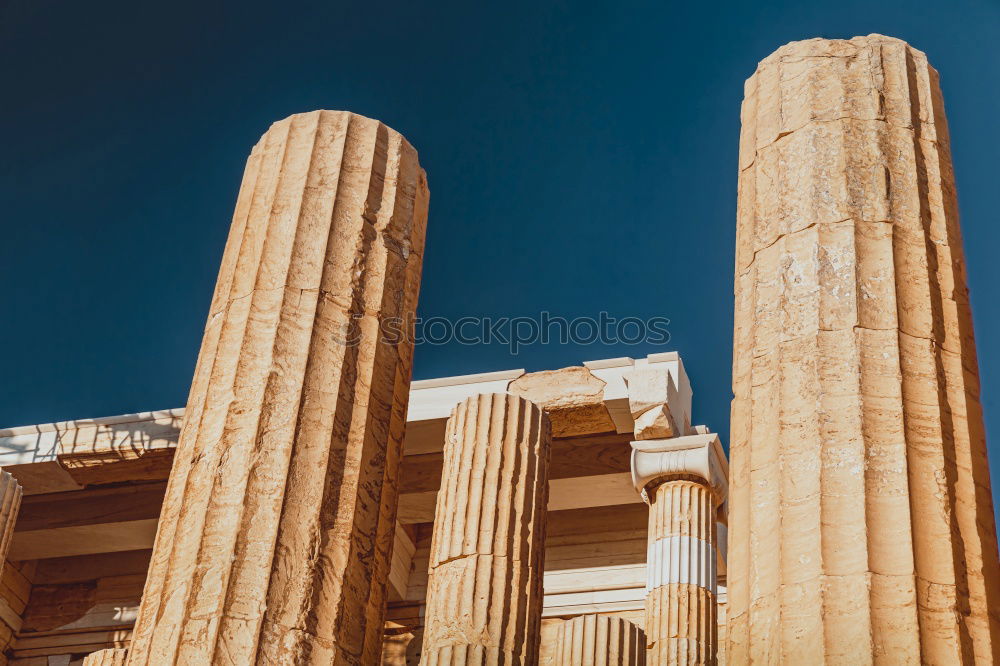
pixel 484 593
pixel 861 520
pixel 275 536
pixel 600 640
pixel 684 481
pixel 10 504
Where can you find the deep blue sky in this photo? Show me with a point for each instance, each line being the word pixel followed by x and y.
pixel 581 157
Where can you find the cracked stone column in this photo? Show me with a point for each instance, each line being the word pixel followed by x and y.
pixel 862 525
pixel 684 481
pixel 276 531
pixel 484 593
pixel 600 640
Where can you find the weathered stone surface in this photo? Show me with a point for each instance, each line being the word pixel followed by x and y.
pixel 861 525
pixel 572 397
pixel 600 640
pixel 650 393
pixel 275 538
pixel 484 597
pixel 109 657
pixel 655 423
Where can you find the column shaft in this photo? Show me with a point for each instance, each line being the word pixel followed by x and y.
pixel 277 527
pixel 862 524
pixel 484 596
pixel 600 640
pixel 681 622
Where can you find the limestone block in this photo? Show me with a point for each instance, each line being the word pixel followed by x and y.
pixel 600 640
pixel 651 391
pixel 655 423
pixel 275 538
pixel 109 657
pixel 484 598
pixel 861 520
pixel 573 398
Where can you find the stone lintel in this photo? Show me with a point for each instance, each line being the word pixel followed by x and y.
pixel 573 398
pixel 602 396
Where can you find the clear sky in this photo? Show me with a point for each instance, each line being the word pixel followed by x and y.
pixel 581 158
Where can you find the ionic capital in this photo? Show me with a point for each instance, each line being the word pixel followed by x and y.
pixel 699 456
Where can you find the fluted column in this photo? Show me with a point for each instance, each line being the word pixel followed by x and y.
pixel 108 657
pixel 862 525
pixel 600 640
pixel 277 527
pixel 10 504
pixel 684 481
pixel 484 593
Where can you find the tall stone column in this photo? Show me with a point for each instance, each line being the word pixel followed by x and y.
pixel 600 640
pixel 484 593
pixel 684 481
pixel 862 525
pixel 277 528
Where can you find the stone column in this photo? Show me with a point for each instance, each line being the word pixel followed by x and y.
pixel 862 525
pixel 10 504
pixel 275 536
pixel 684 481
pixel 484 593
pixel 600 640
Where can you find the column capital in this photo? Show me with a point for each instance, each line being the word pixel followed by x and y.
pixel 695 455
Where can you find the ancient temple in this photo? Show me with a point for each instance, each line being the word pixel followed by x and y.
pixel 312 505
